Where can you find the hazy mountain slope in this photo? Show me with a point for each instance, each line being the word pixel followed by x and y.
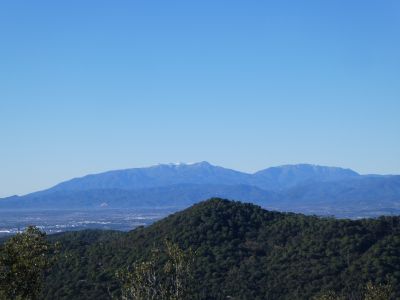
pixel 382 191
pixel 243 252
pixel 156 176
pixel 301 188
pixel 354 198
pixel 205 173
pixel 178 196
pixel 283 177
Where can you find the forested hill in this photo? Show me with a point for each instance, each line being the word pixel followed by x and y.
pixel 243 251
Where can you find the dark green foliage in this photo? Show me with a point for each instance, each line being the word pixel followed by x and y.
pixel 23 260
pixel 243 252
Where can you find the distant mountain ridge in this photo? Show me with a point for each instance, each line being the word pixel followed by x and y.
pixel 303 188
pixel 288 176
pixel 157 176
pixel 274 178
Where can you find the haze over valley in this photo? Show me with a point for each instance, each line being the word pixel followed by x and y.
pixel 124 199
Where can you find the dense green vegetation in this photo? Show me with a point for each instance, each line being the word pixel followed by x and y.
pixel 24 259
pixel 237 251
pixel 242 251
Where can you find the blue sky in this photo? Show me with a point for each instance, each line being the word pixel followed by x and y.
pixel 89 86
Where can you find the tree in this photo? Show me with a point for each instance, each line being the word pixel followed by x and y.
pixel 371 292
pixel 141 282
pixel 146 281
pixel 23 262
pixel 330 295
pixel 378 291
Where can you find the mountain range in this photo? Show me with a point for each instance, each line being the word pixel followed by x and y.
pixel 305 188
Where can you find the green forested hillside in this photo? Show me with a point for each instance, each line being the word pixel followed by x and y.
pixel 243 251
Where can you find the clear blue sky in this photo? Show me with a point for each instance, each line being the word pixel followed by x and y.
pixel 89 86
